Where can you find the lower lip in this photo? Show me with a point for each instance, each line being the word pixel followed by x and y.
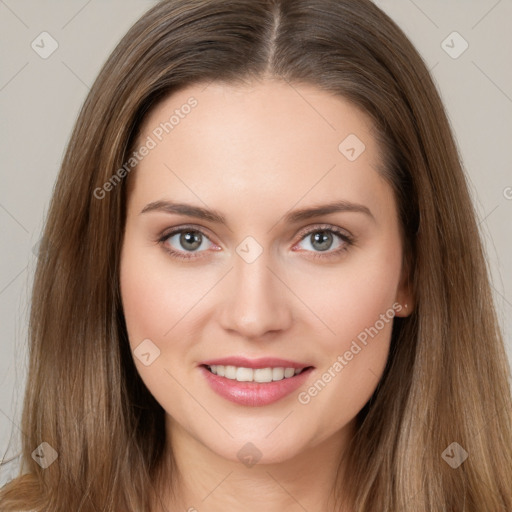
pixel 254 394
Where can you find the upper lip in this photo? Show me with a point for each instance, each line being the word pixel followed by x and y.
pixel 262 362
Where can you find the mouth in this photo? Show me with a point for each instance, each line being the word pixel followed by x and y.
pixel 259 375
pixel 252 382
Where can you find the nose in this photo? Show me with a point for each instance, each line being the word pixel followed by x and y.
pixel 256 301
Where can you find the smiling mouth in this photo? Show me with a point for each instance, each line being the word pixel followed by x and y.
pixel 259 375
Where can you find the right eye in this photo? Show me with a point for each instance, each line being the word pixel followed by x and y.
pixel 183 240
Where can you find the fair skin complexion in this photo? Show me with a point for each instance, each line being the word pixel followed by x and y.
pixel 254 154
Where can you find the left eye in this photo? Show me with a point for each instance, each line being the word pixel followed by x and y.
pixel 321 240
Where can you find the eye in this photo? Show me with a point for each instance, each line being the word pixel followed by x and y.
pixel 321 239
pixel 185 240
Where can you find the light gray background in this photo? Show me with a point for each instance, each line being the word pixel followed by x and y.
pixel 40 99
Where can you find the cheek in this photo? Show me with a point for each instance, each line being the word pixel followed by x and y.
pixel 356 303
pixel 146 302
pixel 351 297
pixel 155 301
pixel 162 304
pixel 155 309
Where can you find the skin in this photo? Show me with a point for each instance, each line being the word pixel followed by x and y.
pixel 255 152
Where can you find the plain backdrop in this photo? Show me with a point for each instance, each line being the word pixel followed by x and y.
pixel 40 99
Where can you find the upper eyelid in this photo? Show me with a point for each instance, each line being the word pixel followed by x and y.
pixel 166 233
pixel 327 227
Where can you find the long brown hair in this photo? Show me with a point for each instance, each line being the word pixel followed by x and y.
pixel 447 379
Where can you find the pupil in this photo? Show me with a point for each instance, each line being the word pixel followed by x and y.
pixel 324 238
pixel 190 237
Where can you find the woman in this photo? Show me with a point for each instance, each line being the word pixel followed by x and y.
pixel 329 340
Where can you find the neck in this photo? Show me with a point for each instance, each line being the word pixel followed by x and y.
pixel 205 481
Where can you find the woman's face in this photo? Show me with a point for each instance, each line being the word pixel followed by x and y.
pixel 249 278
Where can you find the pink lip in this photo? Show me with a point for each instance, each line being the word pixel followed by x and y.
pixel 263 362
pixel 254 394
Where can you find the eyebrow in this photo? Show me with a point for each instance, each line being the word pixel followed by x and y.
pixel 292 217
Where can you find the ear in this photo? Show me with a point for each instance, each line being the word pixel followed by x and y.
pixel 404 295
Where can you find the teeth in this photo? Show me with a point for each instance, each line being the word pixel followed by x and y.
pixel 277 373
pixel 242 374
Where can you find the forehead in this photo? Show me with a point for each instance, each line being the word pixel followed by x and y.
pixel 237 144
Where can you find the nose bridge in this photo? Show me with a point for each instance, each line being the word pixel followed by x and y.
pixel 256 301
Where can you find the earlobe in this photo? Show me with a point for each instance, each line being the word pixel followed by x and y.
pixel 406 311
pixel 404 297
pixel 405 301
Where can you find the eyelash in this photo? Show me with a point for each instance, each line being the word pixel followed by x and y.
pixel 347 240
